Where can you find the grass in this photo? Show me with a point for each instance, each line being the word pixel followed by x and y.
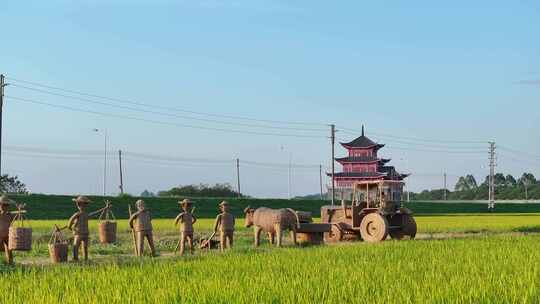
pixel 498 265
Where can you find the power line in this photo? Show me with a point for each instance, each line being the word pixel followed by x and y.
pixel 125 101
pixel 159 122
pixel 86 154
pixel 53 151
pixel 163 113
pixel 174 159
pixel 432 150
pixel 421 144
pixel 176 164
pixel 436 151
pixel 518 152
pixel 298 166
pixel 164 107
pixel 244 162
pixel 28 155
pixel 523 160
pixel 419 139
pixel 434 174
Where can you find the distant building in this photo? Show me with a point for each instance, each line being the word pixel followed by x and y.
pixel 362 164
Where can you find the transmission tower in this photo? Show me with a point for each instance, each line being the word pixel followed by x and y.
pixel 492 164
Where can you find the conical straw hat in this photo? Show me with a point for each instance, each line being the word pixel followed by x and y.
pixel 4 200
pixel 82 200
pixel 185 202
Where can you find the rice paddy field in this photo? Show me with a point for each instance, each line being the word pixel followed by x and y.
pixel 456 258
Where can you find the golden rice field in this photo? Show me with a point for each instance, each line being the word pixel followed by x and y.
pixel 457 258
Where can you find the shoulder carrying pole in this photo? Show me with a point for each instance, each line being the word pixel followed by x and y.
pixel 135 249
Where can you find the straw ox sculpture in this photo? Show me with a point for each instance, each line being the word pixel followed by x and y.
pixel 273 222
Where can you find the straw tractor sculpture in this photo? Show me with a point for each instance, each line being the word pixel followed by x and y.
pixel 372 215
pixel 274 221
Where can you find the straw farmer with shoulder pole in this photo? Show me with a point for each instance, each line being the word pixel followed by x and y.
pixel 186 219
pixel 6 218
pixel 141 222
pixel 78 223
pixel 225 225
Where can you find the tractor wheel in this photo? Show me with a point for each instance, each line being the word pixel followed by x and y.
pixel 374 228
pixel 336 235
pixel 408 227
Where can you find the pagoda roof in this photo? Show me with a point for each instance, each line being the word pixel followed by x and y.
pixel 362 142
pixel 358 174
pixel 357 159
pixel 392 173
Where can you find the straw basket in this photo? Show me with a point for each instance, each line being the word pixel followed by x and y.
pixel 59 252
pixel 20 238
pixel 107 232
pixel 107 225
pixel 58 247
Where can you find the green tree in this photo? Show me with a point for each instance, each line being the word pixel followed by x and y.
pixel 510 181
pixel 527 179
pixel 471 181
pixel 147 193
pixel 466 183
pixel 12 184
pixel 461 184
pixel 499 180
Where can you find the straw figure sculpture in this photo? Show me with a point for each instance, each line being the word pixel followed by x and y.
pixel 78 224
pixel 141 223
pixel 224 223
pixel 8 233
pixel 185 219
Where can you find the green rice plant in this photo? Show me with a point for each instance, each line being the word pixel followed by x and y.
pixel 498 265
pixel 497 269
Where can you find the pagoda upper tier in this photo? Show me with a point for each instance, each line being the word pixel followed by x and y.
pixel 362 163
pixel 363 143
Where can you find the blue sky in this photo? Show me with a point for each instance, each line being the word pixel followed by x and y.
pixel 458 71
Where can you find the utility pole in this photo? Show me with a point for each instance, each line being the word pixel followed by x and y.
pixel 491 195
pixel 289 175
pixel 2 85
pixel 104 160
pixel 444 193
pixel 407 184
pixel 320 180
pixel 238 175
pixel 526 183
pixel 105 166
pixel 121 174
pixel 333 140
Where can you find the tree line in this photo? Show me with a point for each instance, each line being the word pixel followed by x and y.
pixel 507 187
pixel 201 190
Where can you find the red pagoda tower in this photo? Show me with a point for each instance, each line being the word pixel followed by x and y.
pixel 362 163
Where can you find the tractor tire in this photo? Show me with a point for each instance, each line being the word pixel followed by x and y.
pixel 336 235
pixel 408 227
pixel 374 228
